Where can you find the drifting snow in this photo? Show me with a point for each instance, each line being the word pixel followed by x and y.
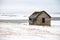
pixel 23 31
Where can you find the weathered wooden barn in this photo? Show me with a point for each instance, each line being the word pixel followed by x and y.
pixel 40 18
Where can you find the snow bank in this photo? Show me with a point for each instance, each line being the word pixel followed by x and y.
pixel 23 31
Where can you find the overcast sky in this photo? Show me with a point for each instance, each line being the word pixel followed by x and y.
pixel 29 6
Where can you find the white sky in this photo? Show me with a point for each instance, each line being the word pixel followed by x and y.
pixel 29 6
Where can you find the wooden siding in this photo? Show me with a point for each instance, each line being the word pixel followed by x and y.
pixel 39 19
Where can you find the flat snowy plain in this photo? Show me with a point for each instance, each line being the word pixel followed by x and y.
pixel 24 31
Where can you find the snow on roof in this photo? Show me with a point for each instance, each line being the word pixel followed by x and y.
pixel 35 14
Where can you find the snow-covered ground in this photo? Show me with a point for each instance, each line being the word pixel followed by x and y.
pixel 17 16
pixel 23 31
pixel 13 16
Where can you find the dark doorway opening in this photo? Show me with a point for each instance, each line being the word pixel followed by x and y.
pixel 43 20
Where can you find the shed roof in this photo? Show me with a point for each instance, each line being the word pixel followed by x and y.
pixel 36 14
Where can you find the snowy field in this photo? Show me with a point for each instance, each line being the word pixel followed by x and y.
pixel 23 31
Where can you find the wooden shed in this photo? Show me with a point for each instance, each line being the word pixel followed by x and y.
pixel 40 18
